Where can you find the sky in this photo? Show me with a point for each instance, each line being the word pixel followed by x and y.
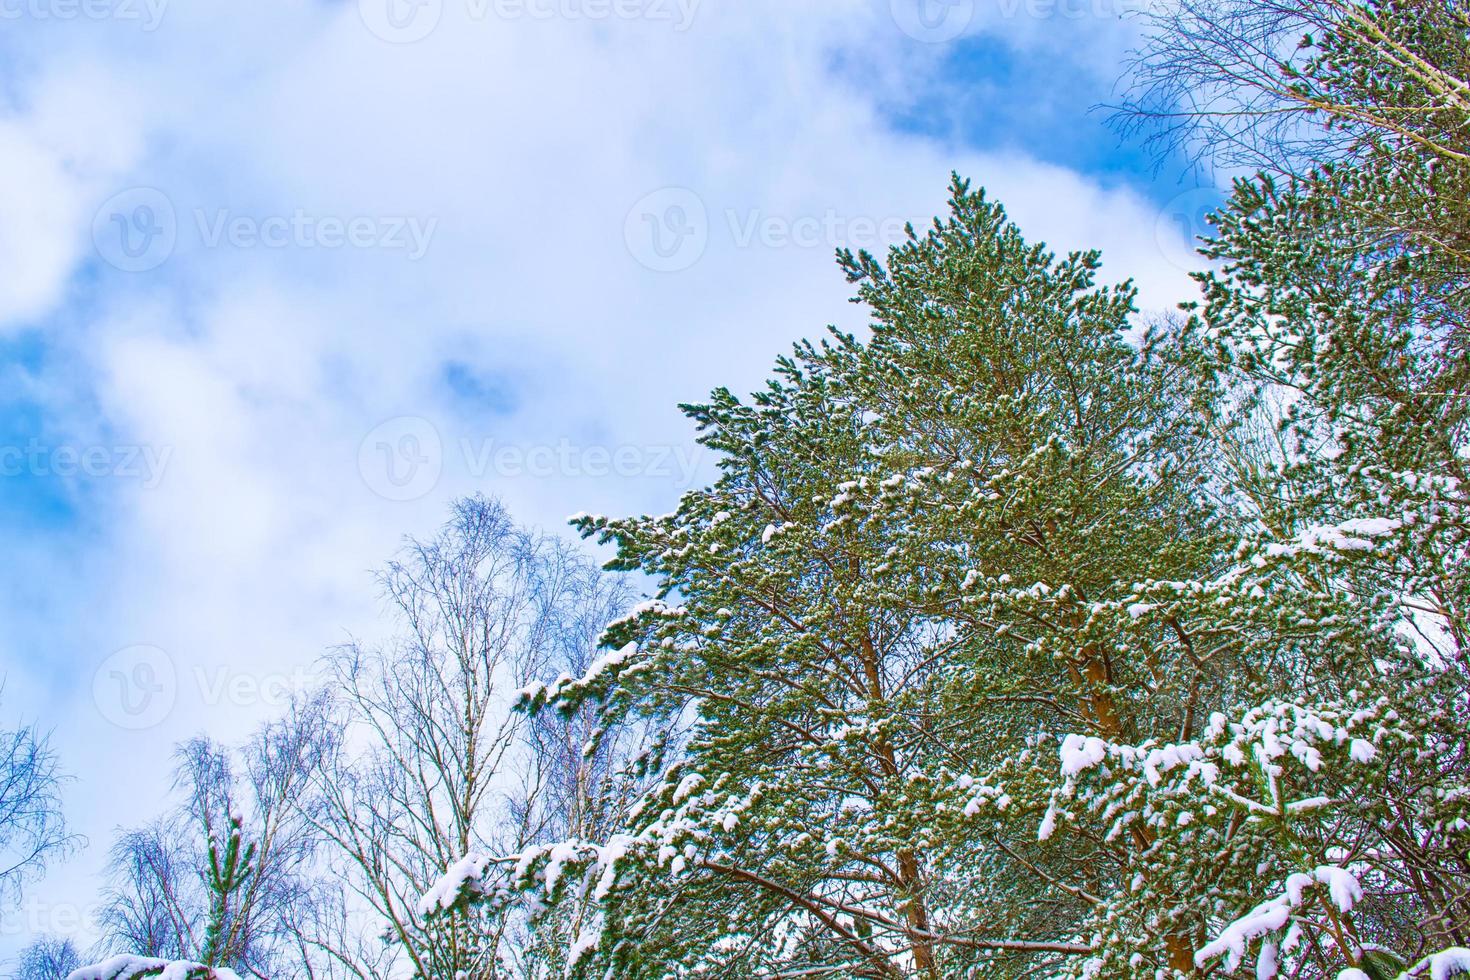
pixel 279 280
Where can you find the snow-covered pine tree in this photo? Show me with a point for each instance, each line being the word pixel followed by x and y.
pixel 909 573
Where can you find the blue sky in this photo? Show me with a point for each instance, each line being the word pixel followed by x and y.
pixel 282 279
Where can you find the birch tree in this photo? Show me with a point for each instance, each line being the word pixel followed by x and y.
pixel 33 829
pixel 428 763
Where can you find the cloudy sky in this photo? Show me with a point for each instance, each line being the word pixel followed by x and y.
pixel 280 279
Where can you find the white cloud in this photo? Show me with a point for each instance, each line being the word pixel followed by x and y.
pixel 38 227
pixel 76 132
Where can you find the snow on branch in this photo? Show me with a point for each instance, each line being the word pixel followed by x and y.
pixel 147 968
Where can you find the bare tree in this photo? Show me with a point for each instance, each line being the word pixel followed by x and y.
pixel 47 958
pixel 1247 83
pixel 151 906
pixel 429 760
pixel 32 826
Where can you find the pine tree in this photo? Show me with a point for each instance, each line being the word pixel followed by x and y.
pixel 901 588
pixel 230 867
